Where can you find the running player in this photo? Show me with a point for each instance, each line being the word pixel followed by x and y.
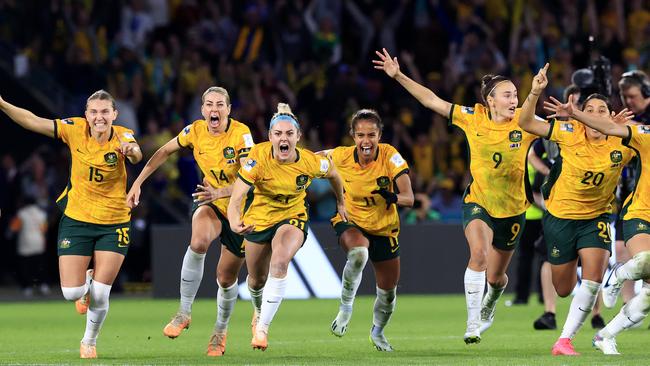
pixel 496 200
pixel 219 144
pixel 376 181
pixel 636 225
pixel 96 220
pixel 578 195
pixel 275 220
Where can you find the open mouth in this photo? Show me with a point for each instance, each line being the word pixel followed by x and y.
pixel 214 120
pixel 512 109
pixel 284 148
pixel 100 123
pixel 366 149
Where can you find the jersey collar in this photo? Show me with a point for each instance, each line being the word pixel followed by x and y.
pixel 356 155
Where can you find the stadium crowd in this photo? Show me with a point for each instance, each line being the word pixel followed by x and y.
pixel 156 57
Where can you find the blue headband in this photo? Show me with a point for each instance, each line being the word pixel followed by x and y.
pixel 283 118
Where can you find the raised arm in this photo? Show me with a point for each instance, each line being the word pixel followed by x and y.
pixel 27 119
pixel 337 184
pixel 527 120
pixel 158 158
pixel 611 126
pixel 239 189
pixel 424 95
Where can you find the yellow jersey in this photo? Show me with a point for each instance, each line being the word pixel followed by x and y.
pixel 637 204
pixel 364 209
pixel 279 189
pixel 218 156
pixel 96 190
pixel 497 153
pixel 583 180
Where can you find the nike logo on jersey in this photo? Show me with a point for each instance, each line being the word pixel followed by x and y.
pixel 201 152
pixel 479 134
pixel 79 151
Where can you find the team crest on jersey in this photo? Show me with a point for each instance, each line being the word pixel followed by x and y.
pixel 616 156
pixel 229 152
pixel 383 182
pixel 515 136
pixel 110 158
pixel 301 182
pixel 555 252
pixel 67 121
pixel 467 110
pixel 65 243
pixel 644 129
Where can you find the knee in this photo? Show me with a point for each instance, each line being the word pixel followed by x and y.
pixel 358 256
pixel 499 280
pixel 256 282
pixel 279 268
pixel 226 278
pixel 563 291
pixel 73 293
pixel 200 244
pixel 643 260
pixel 479 259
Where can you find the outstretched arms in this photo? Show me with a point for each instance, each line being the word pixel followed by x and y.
pixel 428 98
pixel 27 119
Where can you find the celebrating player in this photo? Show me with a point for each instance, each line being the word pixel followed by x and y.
pixel 219 144
pixel 96 220
pixel 275 220
pixel 636 225
pixel 370 171
pixel 578 195
pixel 495 201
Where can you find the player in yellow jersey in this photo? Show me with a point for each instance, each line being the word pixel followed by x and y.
pixel 96 219
pixel 219 144
pixel 375 181
pixel 578 196
pixel 275 219
pixel 498 195
pixel 636 225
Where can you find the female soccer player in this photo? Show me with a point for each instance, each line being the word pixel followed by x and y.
pixel 496 200
pixel 96 220
pixel 578 195
pixel 275 221
pixel 636 225
pixel 219 145
pixel 370 171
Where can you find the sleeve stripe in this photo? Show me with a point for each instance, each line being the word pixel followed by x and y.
pixel 179 142
pixel 56 129
pixel 626 141
pixel 451 114
pixel 550 129
pixel 244 179
pixel 404 171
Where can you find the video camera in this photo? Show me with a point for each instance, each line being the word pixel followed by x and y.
pixel 597 78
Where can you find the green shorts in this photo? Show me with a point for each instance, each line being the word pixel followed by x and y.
pixel 83 238
pixel 632 227
pixel 564 237
pixel 233 242
pixel 266 236
pixel 507 231
pixel 381 248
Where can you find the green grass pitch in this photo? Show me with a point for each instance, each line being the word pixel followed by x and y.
pixel 424 330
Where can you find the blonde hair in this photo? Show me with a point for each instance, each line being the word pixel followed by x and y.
pixel 101 95
pixel 284 113
pixel 218 90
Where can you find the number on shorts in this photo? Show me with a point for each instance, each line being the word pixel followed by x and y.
pixel 604 230
pixel 122 236
pixel 297 223
pixel 515 231
pixel 497 157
